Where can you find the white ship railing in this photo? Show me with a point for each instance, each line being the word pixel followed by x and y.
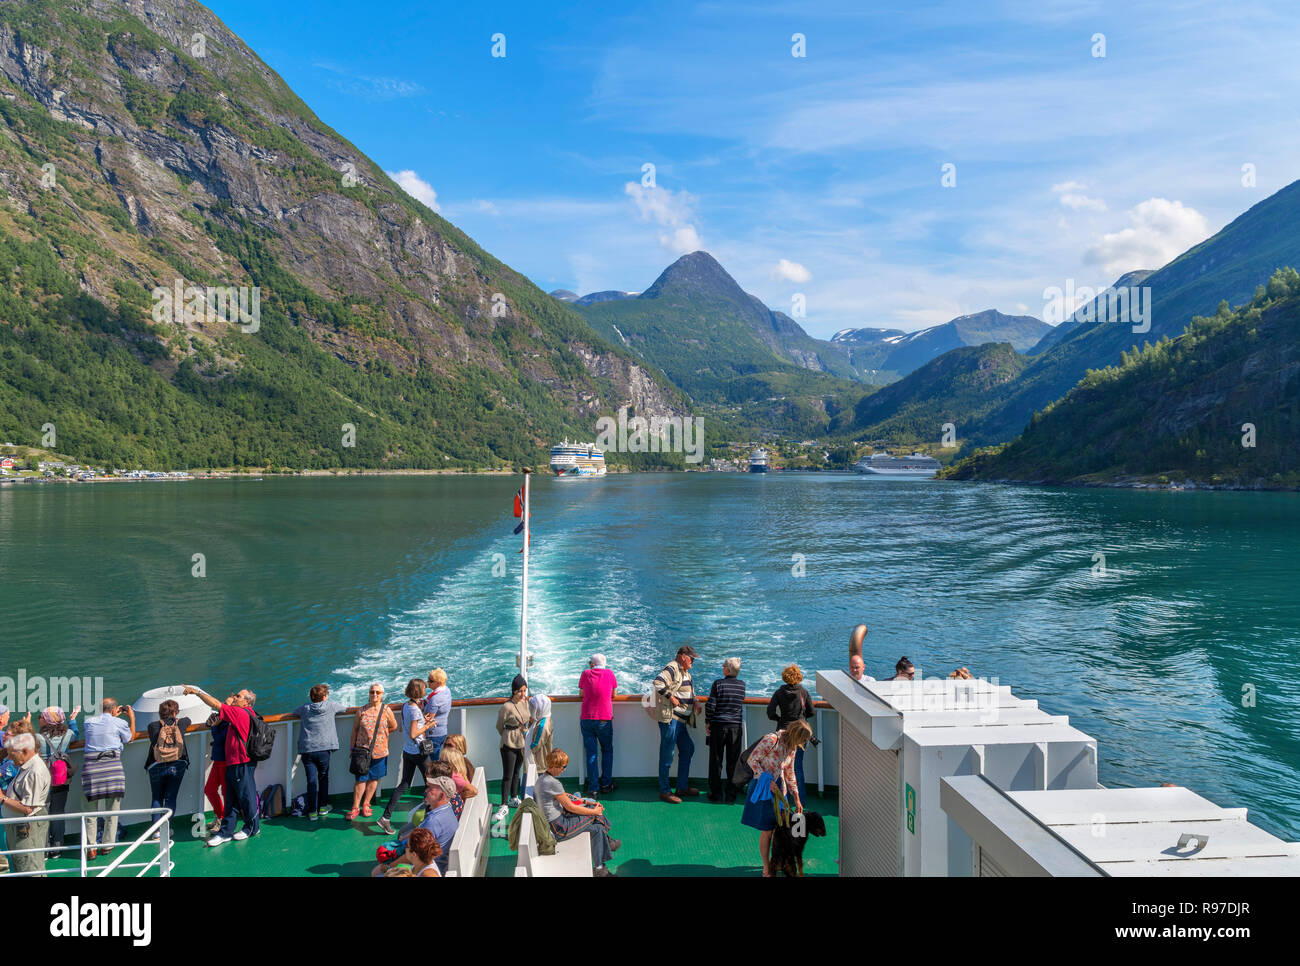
pixel 161 861
pixel 636 752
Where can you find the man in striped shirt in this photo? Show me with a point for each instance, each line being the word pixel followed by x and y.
pixel 723 716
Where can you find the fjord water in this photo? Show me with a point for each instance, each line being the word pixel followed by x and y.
pixel 349 580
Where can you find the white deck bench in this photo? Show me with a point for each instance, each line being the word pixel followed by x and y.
pixel 572 858
pixel 470 847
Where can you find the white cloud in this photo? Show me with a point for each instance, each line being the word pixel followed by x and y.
pixel 1159 230
pixel 791 271
pixel 415 186
pixel 1070 194
pixel 669 210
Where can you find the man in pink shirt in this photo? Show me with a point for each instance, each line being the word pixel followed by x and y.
pixel 241 789
pixel 597 686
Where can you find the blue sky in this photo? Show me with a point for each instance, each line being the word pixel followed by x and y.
pixel 819 174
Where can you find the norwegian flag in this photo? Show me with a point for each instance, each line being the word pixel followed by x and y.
pixel 519 509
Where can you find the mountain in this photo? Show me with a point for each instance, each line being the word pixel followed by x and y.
pixel 145 147
pixel 904 352
pixel 1058 333
pixel 1219 404
pixel 716 341
pixel 564 295
pixel 1228 266
pixel 607 296
pixel 955 388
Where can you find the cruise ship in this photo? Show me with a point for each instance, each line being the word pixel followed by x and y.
pixel 577 459
pixel 758 461
pixel 916 466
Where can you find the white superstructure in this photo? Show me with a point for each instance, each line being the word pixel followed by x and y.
pixel 577 459
pixel 916 466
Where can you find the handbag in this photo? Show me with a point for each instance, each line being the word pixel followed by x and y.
pixel 362 758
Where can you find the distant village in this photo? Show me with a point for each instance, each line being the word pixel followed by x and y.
pixel 14 469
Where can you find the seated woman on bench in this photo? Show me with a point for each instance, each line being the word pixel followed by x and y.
pixel 568 818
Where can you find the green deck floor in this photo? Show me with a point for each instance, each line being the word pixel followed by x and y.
pixel 695 838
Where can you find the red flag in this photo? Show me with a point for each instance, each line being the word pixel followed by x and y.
pixel 519 503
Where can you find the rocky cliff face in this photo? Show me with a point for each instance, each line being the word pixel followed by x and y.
pixel 145 142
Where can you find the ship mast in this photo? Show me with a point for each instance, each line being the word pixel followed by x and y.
pixel 523 606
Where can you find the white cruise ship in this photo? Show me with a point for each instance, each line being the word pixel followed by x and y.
pixel 758 461
pixel 916 466
pixel 577 459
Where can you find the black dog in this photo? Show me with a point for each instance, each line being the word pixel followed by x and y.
pixel 787 846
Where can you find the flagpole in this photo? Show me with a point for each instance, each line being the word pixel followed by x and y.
pixel 523 606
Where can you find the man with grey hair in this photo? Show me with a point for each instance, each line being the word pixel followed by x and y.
pixel 724 717
pixel 103 779
pixel 27 797
pixel 440 817
pixel 597 685
pixel 241 789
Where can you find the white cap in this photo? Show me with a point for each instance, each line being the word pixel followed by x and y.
pixel 597 660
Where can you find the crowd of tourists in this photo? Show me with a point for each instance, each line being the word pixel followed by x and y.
pixel 36 773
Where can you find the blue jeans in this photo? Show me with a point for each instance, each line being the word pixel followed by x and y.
pixel 164 784
pixel 438 742
pixel 601 732
pixel 317 766
pixel 241 800
pixel 675 734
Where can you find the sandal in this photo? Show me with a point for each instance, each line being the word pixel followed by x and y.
pixel 365 810
pixel 352 813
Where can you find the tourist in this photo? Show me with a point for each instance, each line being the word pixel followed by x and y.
pixel 457 743
pixel 512 723
pixel 103 780
pixel 541 730
pixel 858 668
pixel 370 731
pixel 415 750
pixel 439 818
pixel 903 670
pixel 442 769
pixel 597 686
pixel 318 739
pixel 772 762
pixel 673 695
pixel 724 718
pixel 569 819
pixel 58 731
pixel 214 789
pixel 460 771
pixel 961 674
pixel 419 859
pixel 241 787
pixel 167 759
pixel 791 703
pixel 27 797
pixel 438 704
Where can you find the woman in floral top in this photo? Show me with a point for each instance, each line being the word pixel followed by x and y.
pixel 375 714
pixel 773 756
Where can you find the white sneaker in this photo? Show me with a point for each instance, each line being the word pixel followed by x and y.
pixel 313 816
pixel 515 802
pixel 219 840
pixel 242 834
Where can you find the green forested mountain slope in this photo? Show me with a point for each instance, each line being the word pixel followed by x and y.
pixel 130 157
pixel 1184 408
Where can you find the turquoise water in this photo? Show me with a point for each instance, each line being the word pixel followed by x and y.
pixel 357 579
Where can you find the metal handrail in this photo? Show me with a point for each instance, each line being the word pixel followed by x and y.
pixel 161 825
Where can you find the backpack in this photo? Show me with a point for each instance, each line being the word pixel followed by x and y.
pixel 170 743
pixel 56 756
pixel 261 739
pixel 271 802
